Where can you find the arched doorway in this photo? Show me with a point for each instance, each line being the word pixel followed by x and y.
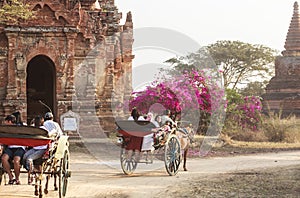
pixel 41 86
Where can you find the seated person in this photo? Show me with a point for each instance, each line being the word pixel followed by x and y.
pixel 148 139
pixel 34 153
pixel 51 126
pixel 158 120
pixel 167 118
pixel 135 115
pixel 12 153
pixel 19 121
pixel 151 119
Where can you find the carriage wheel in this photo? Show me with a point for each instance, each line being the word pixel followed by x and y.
pixel 172 155
pixel 64 174
pixel 128 161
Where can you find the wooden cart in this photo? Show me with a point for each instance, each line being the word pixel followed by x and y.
pixel 55 162
pixel 132 134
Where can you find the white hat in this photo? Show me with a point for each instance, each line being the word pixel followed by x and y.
pixel 48 115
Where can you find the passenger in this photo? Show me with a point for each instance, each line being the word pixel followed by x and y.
pixel 12 153
pixel 52 126
pixel 167 118
pixel 158 120
pixel 135 115
pixel 34 153
pixel 150 118
pixel 148 139
pixel 19 121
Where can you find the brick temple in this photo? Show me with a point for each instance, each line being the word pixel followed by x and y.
pixel 283 90
pixel 70 56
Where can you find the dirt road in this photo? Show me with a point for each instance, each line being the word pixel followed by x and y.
pixel 93 178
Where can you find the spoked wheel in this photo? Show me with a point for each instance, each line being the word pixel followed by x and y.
pixel 128 161
pixel 172 155
pixel 64 174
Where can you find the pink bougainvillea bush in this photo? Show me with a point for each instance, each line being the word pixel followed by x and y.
pixel 242 112
pixel 187 95
pixel 250 112
pixel 188 90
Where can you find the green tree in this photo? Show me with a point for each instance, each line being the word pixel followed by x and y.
pixel 255 88
pixel 14 10
pixel 242 62
pixel 200 59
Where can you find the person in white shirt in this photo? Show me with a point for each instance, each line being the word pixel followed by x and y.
pixel 52 126
pixel 147 144
pixel 12 153
pixel 34 153
pixel 166 118
pixel 150 117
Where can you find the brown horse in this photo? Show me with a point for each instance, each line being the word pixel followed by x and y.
pixel 185 136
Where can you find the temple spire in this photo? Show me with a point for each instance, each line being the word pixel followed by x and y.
pixel 128 23
pixel 292 43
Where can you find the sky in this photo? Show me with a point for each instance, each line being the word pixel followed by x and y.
pixel 263 22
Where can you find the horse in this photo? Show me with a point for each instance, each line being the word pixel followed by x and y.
pixel 185 136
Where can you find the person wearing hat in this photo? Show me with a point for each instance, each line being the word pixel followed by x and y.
pixel 12 153
pixel 51 125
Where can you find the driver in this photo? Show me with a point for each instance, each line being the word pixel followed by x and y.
pixel 52 126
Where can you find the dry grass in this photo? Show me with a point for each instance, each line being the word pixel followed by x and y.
pixel 265 145
pixel 225 146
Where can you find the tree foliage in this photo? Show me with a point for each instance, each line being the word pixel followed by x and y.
pixel 238 62
pixel 255 88
pixel 14 10
pixel 241 62
pixel 192 61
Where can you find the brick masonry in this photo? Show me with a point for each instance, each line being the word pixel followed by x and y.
pixel 283 90
pixel 81 51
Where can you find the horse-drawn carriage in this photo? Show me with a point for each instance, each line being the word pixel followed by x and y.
pixel 132 134
pixel 54 163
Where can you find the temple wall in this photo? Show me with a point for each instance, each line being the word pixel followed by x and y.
pixel 87 48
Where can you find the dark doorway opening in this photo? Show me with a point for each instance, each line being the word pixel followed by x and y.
pixel 40 83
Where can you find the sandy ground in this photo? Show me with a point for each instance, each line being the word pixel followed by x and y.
pixel 94 178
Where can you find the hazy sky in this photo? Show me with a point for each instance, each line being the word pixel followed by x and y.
pixel 254 21
pixel 207 21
